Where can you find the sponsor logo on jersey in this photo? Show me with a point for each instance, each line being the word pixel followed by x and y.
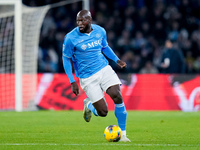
pixel 91 45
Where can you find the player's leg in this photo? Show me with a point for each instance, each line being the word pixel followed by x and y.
pixel 95 102
pixel 89 105
pixel 120 110
pixel 111 85
pixel 101 107
pixel 98 108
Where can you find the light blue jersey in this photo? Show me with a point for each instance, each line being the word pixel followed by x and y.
pixel 86 50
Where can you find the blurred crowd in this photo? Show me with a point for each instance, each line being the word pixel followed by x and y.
pixel 139 32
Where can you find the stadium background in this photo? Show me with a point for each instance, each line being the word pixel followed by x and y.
pixel 137 31
pixel 159 123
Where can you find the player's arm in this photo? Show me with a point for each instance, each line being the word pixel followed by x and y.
pixel 68 70
pixel 109 52
pixel 67 55
pixel 111 55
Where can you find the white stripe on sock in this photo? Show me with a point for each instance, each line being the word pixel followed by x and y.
pixel 119 105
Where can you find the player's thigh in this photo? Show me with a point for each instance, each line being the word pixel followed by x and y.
pixel 92 88
pixel 115 93
pixel 109 78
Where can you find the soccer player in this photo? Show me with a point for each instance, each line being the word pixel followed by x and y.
pixel 85 46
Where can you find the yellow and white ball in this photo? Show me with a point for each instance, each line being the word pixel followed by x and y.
pixel 113 133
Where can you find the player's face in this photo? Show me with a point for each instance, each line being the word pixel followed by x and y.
pixel 83 24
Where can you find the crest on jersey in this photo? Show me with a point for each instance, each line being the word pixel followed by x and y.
pixel 84 46
pixel 98 35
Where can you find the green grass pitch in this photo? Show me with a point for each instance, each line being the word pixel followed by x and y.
pixel 66 130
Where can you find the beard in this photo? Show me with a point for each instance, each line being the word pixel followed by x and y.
pixel 85 29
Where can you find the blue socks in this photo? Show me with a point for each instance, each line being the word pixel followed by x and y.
pixel 93 110
pixel 121 115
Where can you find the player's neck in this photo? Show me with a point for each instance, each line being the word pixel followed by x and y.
pixel 89 30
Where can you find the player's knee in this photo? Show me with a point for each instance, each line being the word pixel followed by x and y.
pixel 117 98
pixel 103 112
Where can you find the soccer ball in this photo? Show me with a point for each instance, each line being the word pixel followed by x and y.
pixel 113 133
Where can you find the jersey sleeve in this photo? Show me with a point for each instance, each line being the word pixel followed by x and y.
pixel 110 54
pixel 104 40
pixel 68 47
pixel 68 69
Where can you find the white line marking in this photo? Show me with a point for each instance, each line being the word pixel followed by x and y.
pixel 128 144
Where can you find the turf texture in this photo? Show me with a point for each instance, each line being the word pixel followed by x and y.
pixel 59 130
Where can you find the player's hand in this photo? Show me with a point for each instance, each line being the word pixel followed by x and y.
pixel 75 88
pixel 121 63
